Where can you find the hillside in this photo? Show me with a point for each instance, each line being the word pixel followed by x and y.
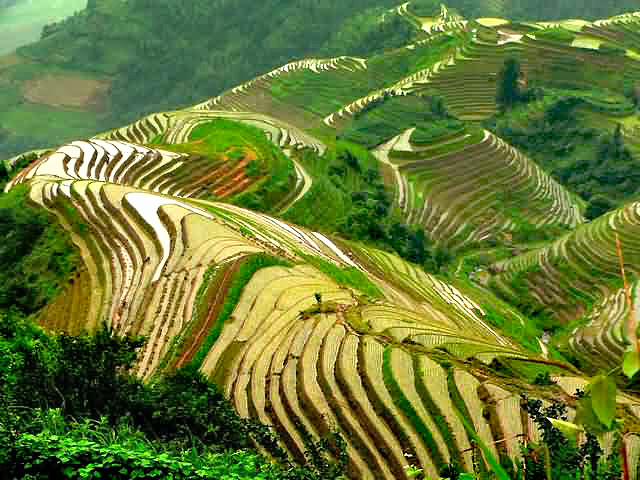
pixel 123 62
pixel 378 244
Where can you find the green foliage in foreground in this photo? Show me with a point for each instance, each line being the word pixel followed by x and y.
pixel 37 256
pixel 46 456
pixel 562 456
pixel 69 410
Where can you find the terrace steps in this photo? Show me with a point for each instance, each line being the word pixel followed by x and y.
pixel 370 360
pixel 450 194
pixel 575 260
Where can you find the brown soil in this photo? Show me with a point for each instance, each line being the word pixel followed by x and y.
pixel 67 90
pixel 232 179
pixel 215 306
pixel 9 61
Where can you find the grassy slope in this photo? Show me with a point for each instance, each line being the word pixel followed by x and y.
pixel 37 258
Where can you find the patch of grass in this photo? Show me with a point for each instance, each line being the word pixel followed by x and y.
pixel 345 277
pixel 524 333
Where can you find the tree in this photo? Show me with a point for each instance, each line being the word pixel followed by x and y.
pixel 508 93
pixel 598 205
pixel 4 174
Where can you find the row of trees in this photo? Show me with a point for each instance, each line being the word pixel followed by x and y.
pixel 372 219
pixel 594 163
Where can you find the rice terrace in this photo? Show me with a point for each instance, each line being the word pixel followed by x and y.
pixel 422 262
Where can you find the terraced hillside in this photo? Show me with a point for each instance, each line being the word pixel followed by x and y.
pixel 471 185
pixel 579 276
pixel 299 332
pixel 310 333
pixel 576 270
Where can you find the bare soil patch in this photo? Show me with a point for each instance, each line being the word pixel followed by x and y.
pixel 67 90
pixel 9 61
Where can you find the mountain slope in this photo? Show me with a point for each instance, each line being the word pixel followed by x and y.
pixel 128 63
pixel 297 308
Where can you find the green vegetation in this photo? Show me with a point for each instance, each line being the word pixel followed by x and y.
pixel 436 414
pixel 234 145
pixel 409 411
pixel 100 405
pixel 4 176
pixel 560 134
pixel 128 46
pixel 37 257
pixel 130 42
pixel 45 454
pixel 345 277
pixel 562 456
pixel 525 333
pixel 240 279
pixel 69 410
pixel 382 120
pixel 369 31
pixel 327 93
pixel 361 208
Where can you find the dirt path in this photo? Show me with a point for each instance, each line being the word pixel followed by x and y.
pixel 214 310
pixel 303 176
pixel 382 154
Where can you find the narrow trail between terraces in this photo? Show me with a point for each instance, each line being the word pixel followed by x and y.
pixel 382 154
pixel 303 177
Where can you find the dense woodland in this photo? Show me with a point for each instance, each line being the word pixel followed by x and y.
pixel 558 130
